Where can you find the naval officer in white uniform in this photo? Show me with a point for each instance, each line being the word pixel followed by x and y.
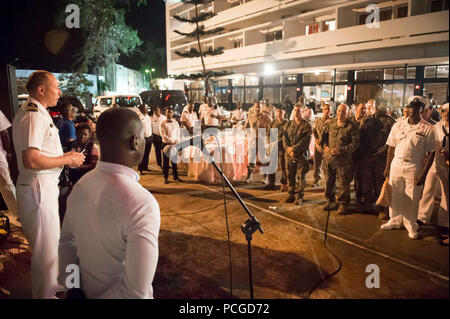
pixel 40 159
pixel 412 145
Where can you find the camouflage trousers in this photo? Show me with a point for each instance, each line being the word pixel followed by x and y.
pixel 338 170
pixel 282 166
pixel 370 171
pixel 297 166
pixel 318 157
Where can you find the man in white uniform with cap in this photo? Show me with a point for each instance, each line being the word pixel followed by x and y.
pixel 412 145
pixel 40 159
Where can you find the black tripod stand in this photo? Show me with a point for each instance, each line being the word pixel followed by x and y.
pixel 248 228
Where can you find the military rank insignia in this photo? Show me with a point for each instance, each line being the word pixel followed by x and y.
pixel 31 107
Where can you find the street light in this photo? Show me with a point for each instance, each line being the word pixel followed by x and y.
pixel 150 72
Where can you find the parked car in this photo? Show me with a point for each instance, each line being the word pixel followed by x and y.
pixel 103 103
pixel 164 98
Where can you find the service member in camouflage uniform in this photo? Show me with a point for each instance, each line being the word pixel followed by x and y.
pixel 319 126
pixel 360 114
pixel 379 162
pixel 255 121
pixel 296 139
pixel 278 123
pixel 340 140
pixel 370 163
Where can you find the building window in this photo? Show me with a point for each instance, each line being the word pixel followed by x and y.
pixel 306 78
pixel 251 95
pixel 439 91
pixel 273 36
pixel 402 12
pixel 291 78
pixel 359 75
pixel 399 73
pixel 238 81
pixel 411 73
pixel 273 94
pixel 238 95
pixel 341 76
pixel 362 18
pixel 222 83
pixel 373 75
pixel 430 72
pixel 276 79
pixel 251 80
pixel 237 43
pixel 437 5
pixel 388 74
pixel 386 15
pixel 329 25
pixel 442 71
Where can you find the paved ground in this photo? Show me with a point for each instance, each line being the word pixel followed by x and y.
pixel 288 259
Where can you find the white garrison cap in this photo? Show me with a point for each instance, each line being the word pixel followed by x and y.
pixel 422 99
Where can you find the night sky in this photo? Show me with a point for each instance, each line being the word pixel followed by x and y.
pixel 25 23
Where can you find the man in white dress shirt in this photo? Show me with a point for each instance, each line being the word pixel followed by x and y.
pixel 189 117
pixel 212 116
pixel 157 118
pixel 40 159
pixel 170 133
pixel 112 223
pixel 412 145
pixel 147 122
pixel 239 114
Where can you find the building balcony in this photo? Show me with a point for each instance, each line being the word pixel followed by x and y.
pixel 408 31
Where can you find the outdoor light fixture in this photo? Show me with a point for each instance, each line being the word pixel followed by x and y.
pixel 298 89
pixel 349 88
pixel 417 87
pixel 317 72
pixel 268 69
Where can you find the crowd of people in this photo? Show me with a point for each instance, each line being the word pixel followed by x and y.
pixel 96 213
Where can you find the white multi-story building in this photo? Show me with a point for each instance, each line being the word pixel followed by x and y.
pixel 320 48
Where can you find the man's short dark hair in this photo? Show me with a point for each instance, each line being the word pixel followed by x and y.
pixel 65 108
pixel 115 123
pixel 36 79
pixel 83 126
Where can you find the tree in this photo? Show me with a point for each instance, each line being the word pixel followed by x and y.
pixel 197 33
pixel 106 34
pixel 75 85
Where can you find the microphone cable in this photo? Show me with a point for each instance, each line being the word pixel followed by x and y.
pixel 308 295
pixel 226 216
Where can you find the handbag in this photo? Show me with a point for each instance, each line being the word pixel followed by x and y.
pixel 385 195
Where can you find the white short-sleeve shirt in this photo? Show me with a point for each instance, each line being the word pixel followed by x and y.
pixel 4 125
pixel 147 122
pixel 211 116
pixel 412 143
pixel 190 118
pixel 33 128
pixel 156 122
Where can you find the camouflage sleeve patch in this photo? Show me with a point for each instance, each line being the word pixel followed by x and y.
pixel 31 107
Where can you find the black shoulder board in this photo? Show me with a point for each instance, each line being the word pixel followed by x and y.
pixel 31 107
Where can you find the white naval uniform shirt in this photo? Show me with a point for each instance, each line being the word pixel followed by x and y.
pixel 170 131
pixel 439 160
pixel 111 231
pixel 239 115
pixel 190 118
pixel 412 143
pixel 202 109
pixel 35 129
pixel 4 125
pixel 156 122
pixel 147 122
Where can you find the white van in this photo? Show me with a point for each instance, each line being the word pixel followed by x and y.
pixel 103 103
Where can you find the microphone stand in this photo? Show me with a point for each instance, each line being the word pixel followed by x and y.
pixel 250 226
